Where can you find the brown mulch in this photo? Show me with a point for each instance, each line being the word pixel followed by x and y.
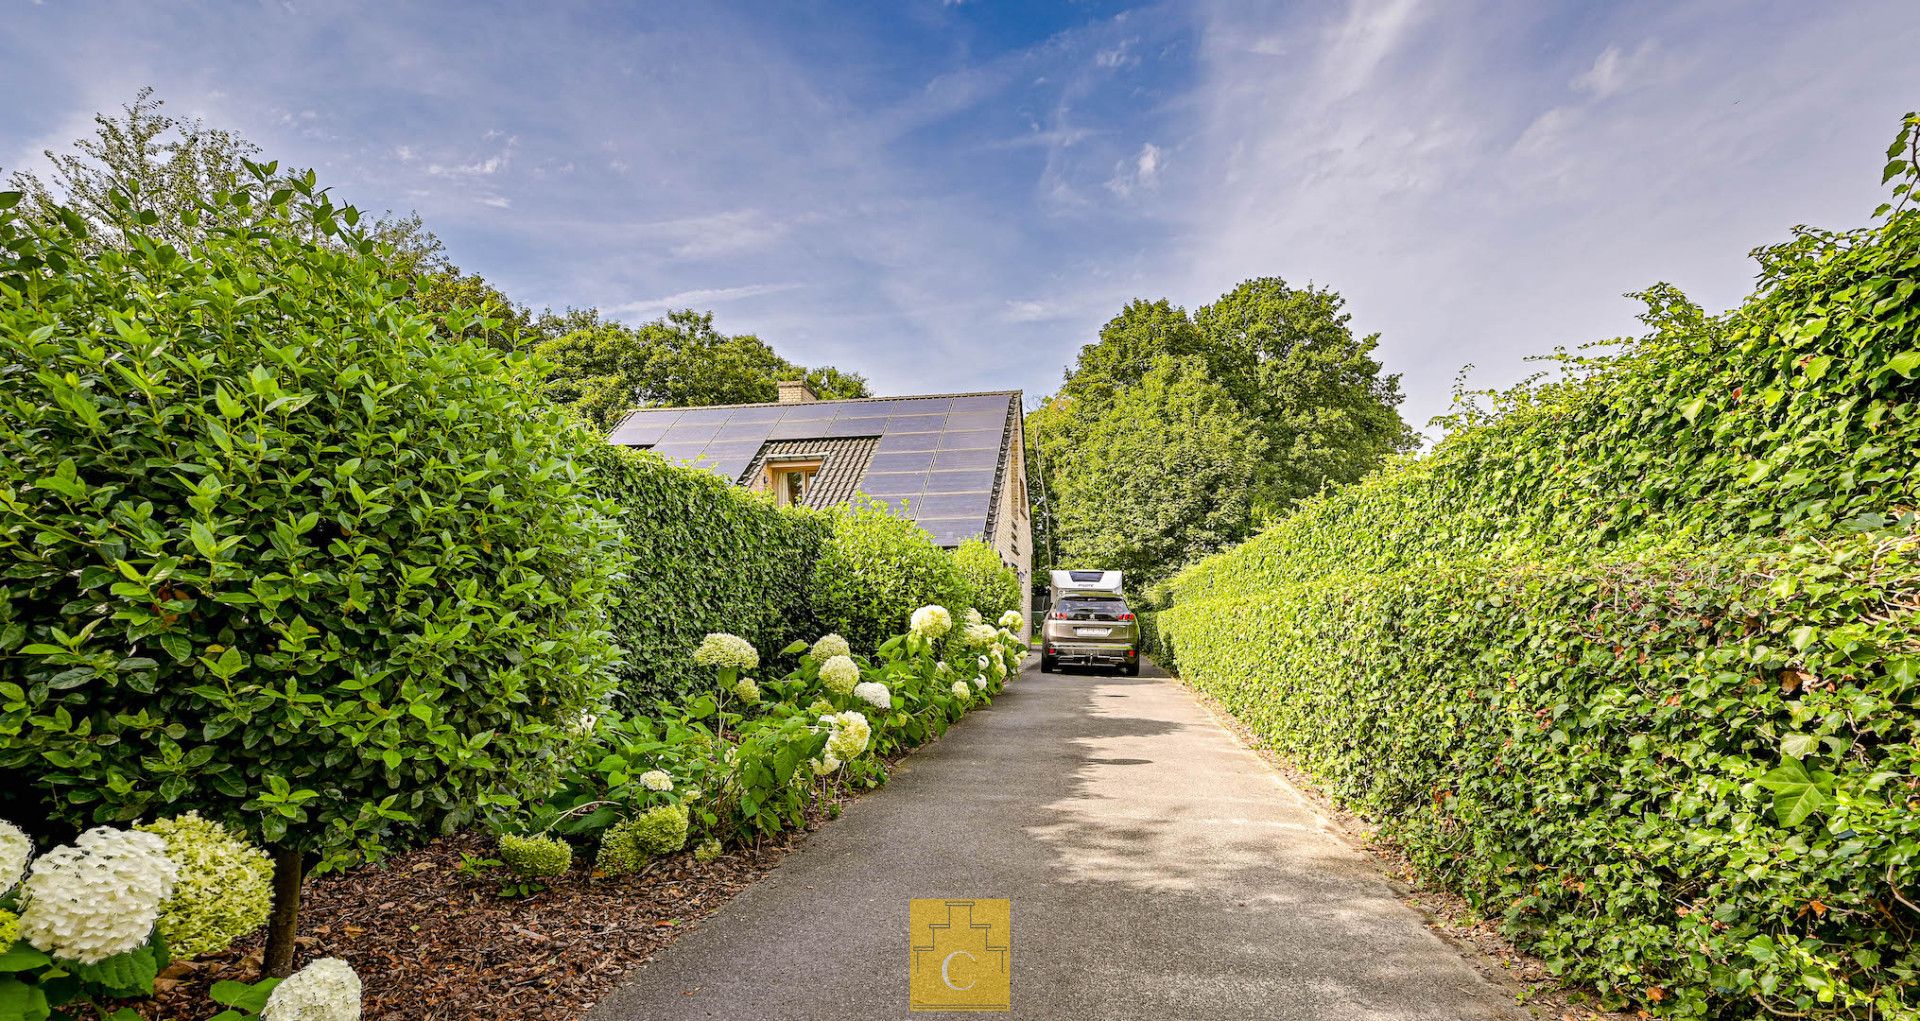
pixel 433 945
pixel 1448 914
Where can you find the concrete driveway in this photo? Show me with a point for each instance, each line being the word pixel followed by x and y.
pixel 1157 868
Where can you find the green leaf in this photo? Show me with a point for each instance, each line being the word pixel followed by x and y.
pixel 22 1002
pixel 1906 363
pixel 1797 791
pixel 248 996
pixel 21 957
pixel 1798 746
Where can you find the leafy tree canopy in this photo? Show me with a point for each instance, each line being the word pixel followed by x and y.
pixel 1281 378
pixel 602 369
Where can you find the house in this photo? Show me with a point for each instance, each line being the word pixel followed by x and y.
pixel 953 463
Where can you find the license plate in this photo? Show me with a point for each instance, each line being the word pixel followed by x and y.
pixel 1092 632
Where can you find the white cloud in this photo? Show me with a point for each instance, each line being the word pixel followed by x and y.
pixel 1614 71
pixel 702 299
pixel 1140 172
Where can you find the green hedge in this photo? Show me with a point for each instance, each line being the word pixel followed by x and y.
pixel 707 556
pixel 875 571
pixel 1630 659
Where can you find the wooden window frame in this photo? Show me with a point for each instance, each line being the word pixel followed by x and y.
pixel 809 467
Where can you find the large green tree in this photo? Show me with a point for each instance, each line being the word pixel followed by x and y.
pixel 1278 368
pixel 602 368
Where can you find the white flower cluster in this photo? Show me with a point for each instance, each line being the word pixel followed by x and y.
pixel 972 616
pixel 98 896
pixel 840 674
pixel 583 724
pixel 724 650
pixel 849 734
pixel 745 690
pixel 656 780
pixel 16 850
pixel 961 691
pixel 980 684
pixel 830 646
pixel 874 694
pixel 326 990
pixel 1011 621
pixel 931 622
pixel 979 636
pixel 825 764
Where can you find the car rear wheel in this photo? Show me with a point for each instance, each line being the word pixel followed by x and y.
pixel 1047 665
pixel 1131 669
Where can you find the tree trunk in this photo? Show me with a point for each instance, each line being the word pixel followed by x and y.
pixel 284 924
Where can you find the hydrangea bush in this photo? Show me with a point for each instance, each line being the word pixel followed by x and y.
pixel 224 890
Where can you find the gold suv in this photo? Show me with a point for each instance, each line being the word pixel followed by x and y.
pixel 1090 630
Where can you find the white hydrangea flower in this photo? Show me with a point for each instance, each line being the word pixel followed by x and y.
pixel 979 635
pixel 16 850
pixel 849 734
pixel 1010 620
pixel 583 724
pixel 98 896
pixel 830 646
pixel 720 649
pixel 693 793
pixel 656 780
pixel 825 764
pixel 840 674
pixel 745 690
pixel 874 693
pixel 931 622
pixel 961 691
pixel 972 616
pixel 326 990
pixel 980 683
pixel 982 660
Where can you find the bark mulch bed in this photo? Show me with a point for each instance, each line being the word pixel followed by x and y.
pixel 1447 914
pixel 433 945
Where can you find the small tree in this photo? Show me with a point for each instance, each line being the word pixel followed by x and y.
pixel 272 549
pixel 875 571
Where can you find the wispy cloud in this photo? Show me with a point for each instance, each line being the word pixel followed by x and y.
pixel 702 298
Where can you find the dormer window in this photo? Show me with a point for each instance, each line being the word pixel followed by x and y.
pixel 789 479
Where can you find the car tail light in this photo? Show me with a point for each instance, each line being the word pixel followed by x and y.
pixel 1058 615
pixel 1131 654
pixel 1126 616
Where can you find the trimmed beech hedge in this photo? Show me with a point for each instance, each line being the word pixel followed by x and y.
pixel 1631 659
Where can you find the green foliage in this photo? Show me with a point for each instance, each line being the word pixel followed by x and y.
pixel 535 856
pixel 875 571
pixel 603 369
pixel 706 556
pixel 224 889
pixel 1169 478
pixel 630 845
pixel 272 550
pixel 1175 436
pixel 991 586
pixel 1630 659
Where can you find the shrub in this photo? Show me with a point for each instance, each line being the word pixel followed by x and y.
pixel 991 586
pixel 706 557
pixel 630 845
pixel 536 856
pixel 272 550
pixel 1629 660
pixel 224 888
pixel 875 570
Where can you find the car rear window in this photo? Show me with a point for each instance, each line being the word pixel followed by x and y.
pixel 1093 604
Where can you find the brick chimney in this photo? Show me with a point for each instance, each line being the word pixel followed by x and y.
pixel 796 391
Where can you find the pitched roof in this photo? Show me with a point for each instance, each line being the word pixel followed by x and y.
pixel 939 459
pixel 843 462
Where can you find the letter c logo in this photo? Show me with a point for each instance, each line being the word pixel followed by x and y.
pixel 948 979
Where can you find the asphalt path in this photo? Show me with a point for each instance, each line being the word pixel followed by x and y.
pixel 1156 868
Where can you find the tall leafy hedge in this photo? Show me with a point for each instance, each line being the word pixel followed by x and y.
pixel 990 586
pixel 269 547
pixel 706 556
pixel 1631 658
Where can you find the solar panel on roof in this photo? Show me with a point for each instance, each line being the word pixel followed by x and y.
pixel 940 456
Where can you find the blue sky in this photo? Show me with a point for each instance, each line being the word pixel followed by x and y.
pixel 954 196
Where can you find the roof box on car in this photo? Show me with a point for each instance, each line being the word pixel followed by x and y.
pixel 1085 581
